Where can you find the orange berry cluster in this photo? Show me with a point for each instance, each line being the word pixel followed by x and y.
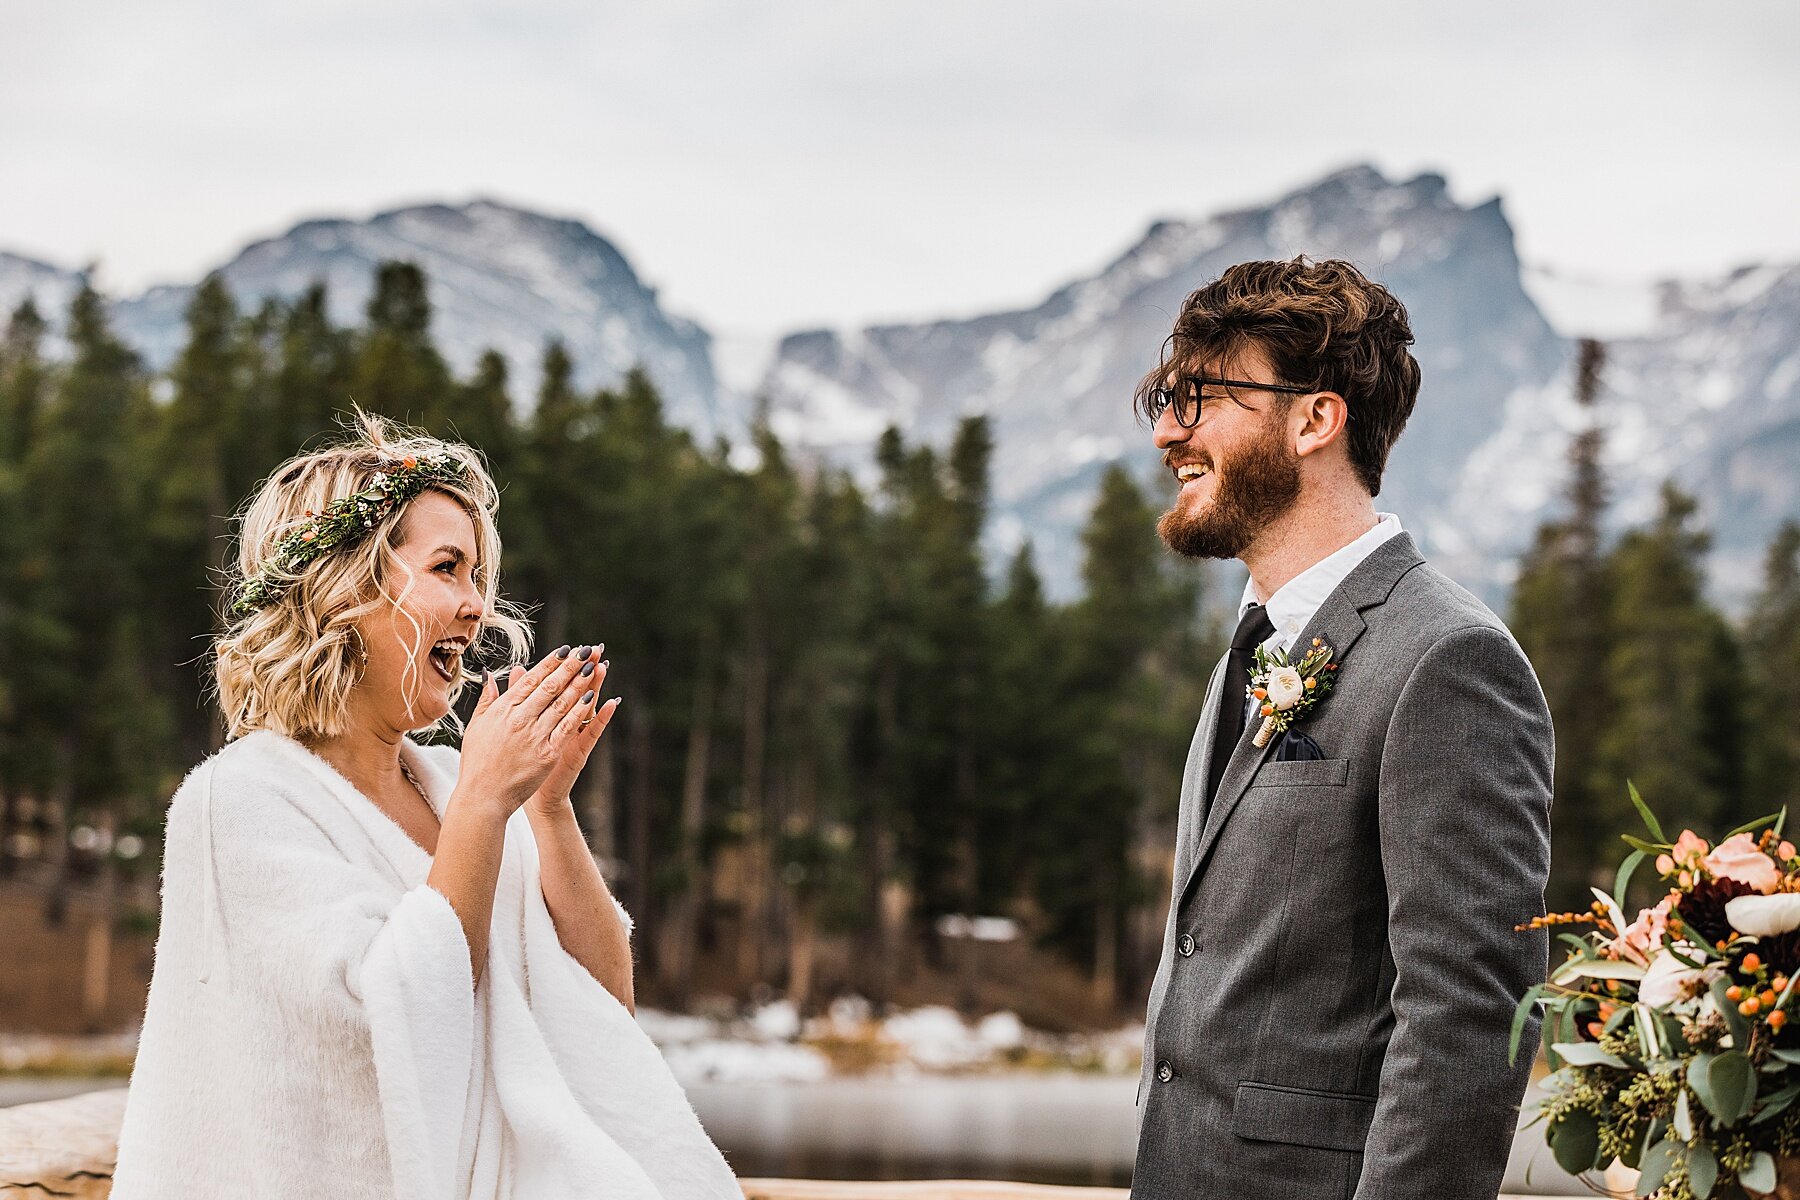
pixel 1549 920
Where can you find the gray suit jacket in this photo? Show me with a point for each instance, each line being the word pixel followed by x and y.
pixel 1331 1010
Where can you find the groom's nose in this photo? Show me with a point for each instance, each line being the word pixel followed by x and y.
pixel 1168 431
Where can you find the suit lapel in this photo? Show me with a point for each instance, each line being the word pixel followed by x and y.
pixel 1193 779
pixel 1339 622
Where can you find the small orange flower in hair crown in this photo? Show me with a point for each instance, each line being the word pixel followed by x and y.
pixel 345 521
pixel 1285 691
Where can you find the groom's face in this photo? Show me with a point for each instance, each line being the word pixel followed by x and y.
pixel 1236 468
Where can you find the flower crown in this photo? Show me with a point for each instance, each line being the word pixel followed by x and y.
pixel 345 521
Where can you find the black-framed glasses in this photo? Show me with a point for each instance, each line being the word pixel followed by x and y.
pixel 1186 399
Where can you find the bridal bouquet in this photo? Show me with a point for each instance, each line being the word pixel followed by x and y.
pixel 1668 1034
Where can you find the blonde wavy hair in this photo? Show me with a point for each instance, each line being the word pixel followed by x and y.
pixel 289 666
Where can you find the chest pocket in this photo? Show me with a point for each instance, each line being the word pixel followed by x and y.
pixel 1314 772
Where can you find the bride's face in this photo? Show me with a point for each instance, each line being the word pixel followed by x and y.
pixel 415 664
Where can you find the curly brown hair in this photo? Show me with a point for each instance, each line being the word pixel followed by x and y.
pixel 1322 325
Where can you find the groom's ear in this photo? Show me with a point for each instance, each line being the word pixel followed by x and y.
pixel 1319 420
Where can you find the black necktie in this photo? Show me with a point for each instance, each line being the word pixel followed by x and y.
pixel 1252 631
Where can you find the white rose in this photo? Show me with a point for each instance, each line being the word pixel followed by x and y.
pixel 1764 916
pixel 1285 687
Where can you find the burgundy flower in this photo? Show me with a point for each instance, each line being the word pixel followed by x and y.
pixel 1703 909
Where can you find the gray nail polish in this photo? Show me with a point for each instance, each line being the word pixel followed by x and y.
pixel 501 680
pixel 587 670
pixel 562 652
pixel 588 699
pixel 583 651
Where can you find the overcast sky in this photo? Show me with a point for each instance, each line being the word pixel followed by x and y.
pixel 771 165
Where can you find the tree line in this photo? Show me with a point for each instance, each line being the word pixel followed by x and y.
pixel 836 723
pixel 1647 679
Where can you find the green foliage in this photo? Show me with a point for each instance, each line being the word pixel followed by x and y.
pixel 832 713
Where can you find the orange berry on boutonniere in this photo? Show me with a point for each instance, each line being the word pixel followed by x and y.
pixel 1750 1007
pixel 1262 693
pixel 1597 1030
pixel 1734 994
pixel 1311 684
pixel 1267 709
pixel 1752 963
pixel 409 461
pixel 1777 1019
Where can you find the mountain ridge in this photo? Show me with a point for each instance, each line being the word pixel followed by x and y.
pixel 1480 465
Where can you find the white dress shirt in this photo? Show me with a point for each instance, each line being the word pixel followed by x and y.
pixel 1294 603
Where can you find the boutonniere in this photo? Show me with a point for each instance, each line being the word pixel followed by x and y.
pixel 1286 691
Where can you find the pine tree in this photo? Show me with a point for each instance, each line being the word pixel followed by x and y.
pixel 399 372
pixel 200 436
pixel 1134 650
pixel 313 380
pixel 25 639
pixel 1561 609
pixel 1772 653
pixel 1671 676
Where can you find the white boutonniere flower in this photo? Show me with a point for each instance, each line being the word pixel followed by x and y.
pixel 1286 691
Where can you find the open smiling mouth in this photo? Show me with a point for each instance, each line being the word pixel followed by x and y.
pixel 446 658
pixel 1188 472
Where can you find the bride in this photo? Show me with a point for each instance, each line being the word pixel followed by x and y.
pixel 390 969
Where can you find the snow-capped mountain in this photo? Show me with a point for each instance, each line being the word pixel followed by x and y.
pixel 1702 384
pixel 1056 380
pixel 499 277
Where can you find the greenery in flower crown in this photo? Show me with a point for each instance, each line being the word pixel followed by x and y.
pixel 345 521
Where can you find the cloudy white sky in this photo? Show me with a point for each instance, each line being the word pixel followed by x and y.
pixel 773 164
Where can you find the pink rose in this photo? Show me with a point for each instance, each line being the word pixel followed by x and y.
pixel 1739 858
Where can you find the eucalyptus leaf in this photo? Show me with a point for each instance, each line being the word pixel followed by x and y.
pixel 1734 1020
pixel 1655 1165
pixel 1684 1117
pixel 1650 821
pixel 1776 1103
pixel 1759 1175
pixel 1626 870
pixel 1575 1141
pixel 1597 968
pixel 1729 1086
pixel 1753 826
pixel 1521 1015
pixel 1638 843
pixel 1588 1054
pixel 1787 1056
pixel 1703 1169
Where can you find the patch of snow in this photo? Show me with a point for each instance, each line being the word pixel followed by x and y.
pixel 1589 306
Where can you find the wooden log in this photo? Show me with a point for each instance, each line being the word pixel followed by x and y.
pixel 61 1147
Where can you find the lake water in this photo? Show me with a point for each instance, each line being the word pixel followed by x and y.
pixel 1067 1129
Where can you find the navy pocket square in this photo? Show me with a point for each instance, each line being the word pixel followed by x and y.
pixel 1297 747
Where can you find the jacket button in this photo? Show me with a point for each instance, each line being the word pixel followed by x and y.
pixel 1185 946
pixel 1164 1071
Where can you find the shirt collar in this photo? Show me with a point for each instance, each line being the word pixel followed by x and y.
pixel 1296 601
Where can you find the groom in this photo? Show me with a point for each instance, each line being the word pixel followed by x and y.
pixel 1331 1011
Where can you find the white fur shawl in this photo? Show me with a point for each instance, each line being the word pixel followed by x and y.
pixel 312 1029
